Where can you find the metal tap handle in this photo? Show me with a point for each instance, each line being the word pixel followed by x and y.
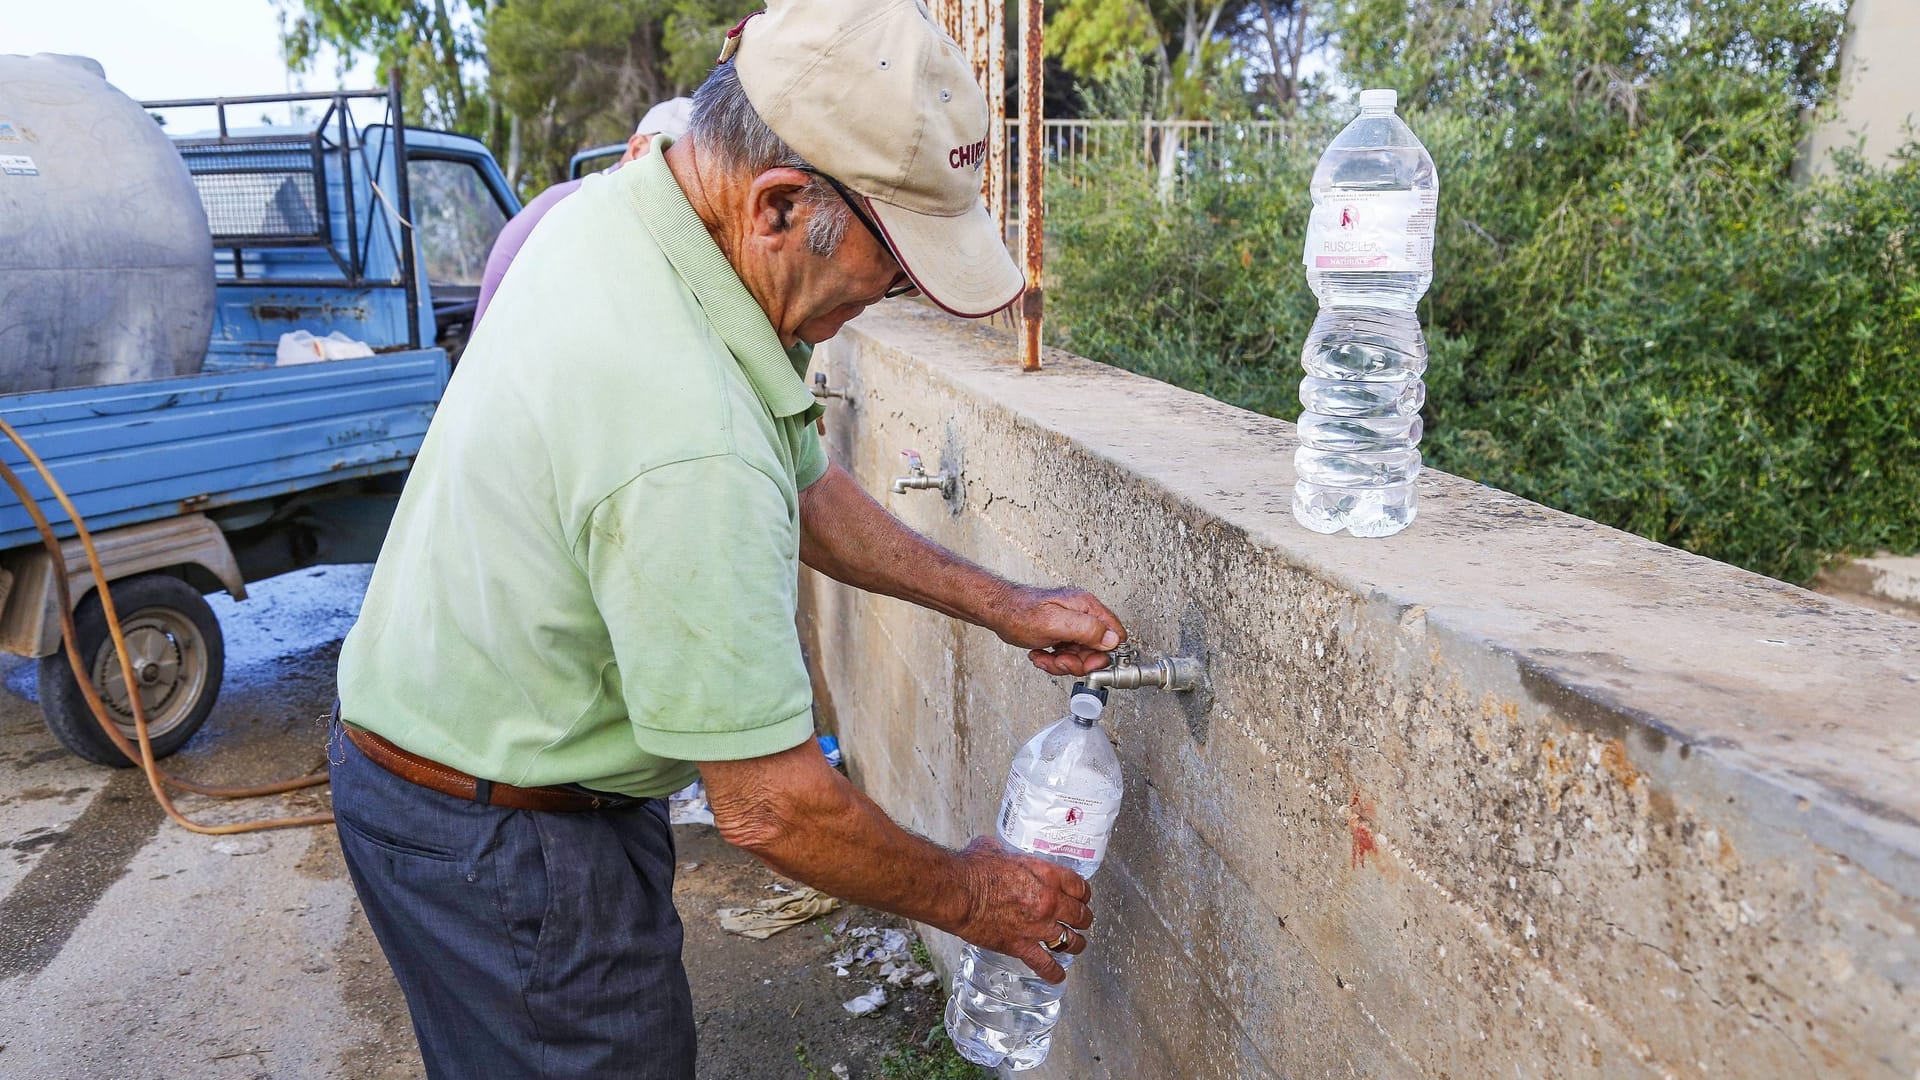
pixel 913 462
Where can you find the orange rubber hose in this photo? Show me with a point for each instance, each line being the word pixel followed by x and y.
pixel 157 780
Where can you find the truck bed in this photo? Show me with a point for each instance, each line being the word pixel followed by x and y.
pixel 143 451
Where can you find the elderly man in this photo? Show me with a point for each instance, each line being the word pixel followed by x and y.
pixel 587 595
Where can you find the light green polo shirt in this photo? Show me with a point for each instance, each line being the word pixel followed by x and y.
pixel 592 573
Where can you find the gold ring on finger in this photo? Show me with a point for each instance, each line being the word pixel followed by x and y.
pixel 1061 942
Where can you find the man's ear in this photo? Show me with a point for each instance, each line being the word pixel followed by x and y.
pixel 772 201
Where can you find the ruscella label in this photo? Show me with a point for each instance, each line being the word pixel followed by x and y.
pixel 1060 825
pixel 1372 230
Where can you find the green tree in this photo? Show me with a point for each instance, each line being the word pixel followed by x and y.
pixel 578 73
pixel 1204 55
pixel 1281 35
pixel 435 43
pixel 1183 43
pixel 1490 57
pixel 1185 59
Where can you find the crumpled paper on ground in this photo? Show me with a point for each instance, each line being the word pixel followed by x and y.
pixel 765 918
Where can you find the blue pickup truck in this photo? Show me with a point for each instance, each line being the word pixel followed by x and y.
pixel 250 468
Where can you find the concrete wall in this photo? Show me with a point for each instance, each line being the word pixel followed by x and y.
pixel 1508 794
pixel 1879 82
pixel 1888 582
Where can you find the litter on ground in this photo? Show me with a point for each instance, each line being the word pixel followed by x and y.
pixel 688 806
pixel 886 953
pixel 764 918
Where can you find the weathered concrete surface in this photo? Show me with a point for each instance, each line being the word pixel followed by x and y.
pixel 1887 582
pixel 1507 794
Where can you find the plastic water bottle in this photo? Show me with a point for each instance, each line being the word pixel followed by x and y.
pixel 1063 794
pixel 1369 259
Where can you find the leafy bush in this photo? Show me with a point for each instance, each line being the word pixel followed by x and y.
pixel 1202 288
pixel 1637 315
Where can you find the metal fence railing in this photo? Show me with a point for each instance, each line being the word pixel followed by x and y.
pixel 1161 145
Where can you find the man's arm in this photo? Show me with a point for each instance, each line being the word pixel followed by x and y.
pixel 805 820
pixel 849 537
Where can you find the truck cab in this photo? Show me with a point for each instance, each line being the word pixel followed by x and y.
pixel 461 202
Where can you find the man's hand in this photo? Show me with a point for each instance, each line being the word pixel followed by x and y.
pixel 1019 904
pixel 808 822
pixel 1069 631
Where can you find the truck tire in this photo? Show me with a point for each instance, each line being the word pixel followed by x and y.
pixel 179 656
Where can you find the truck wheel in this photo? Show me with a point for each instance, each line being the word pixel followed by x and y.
pixel 178 657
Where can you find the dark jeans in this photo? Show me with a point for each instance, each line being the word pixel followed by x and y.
pixel 528 944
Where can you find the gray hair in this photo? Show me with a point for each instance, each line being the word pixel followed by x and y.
pixel 728 130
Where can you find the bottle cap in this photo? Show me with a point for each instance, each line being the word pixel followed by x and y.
pixel 1381 100
pixel 1086 703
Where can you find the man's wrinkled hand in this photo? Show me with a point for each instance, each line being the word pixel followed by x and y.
pixel 1069 631
pixel 1018 903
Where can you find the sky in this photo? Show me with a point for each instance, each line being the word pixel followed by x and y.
pixel 156 49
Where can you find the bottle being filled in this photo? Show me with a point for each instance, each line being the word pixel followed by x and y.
pixel 1369 258
pixel 1062 797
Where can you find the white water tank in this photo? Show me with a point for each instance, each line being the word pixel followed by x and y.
pixel 106 264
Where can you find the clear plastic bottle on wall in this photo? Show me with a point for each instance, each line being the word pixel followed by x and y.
pixel 1369 258
pixel 1063 794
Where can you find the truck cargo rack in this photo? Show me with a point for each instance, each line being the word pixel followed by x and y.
pixel 270 190
pixel 263 191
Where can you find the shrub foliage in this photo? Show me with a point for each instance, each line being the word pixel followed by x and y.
pixel 1638 315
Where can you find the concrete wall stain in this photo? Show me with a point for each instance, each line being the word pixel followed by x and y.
pixel 1613 757
pixel 1359 822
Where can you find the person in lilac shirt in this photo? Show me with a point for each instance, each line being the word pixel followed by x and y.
pixel 667 118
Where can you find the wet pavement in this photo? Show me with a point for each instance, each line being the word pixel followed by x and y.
pixel 131 948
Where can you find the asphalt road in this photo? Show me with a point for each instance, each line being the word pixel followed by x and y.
pixel 131 948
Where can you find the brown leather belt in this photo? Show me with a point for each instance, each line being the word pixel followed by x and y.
pixel 431 774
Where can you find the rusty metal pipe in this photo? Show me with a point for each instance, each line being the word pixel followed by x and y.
pixel 1033 211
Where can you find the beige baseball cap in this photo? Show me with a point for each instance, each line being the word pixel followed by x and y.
pixel 877 95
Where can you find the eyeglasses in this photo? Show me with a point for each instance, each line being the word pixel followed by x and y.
pixel 902 284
